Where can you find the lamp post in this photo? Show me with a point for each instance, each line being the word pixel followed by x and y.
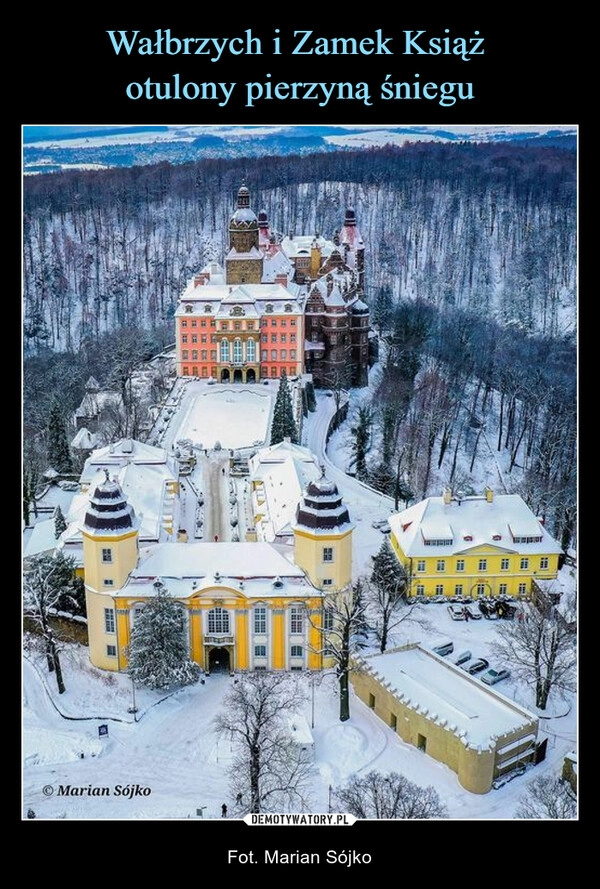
pixel 133 709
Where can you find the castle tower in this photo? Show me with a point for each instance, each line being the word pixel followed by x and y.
pixel 244 262
pixel 110 553
pixel 355 255
pixel 323 536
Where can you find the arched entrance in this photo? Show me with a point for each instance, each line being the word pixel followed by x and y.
pixel 251 376
pixel 225 375
pixel 218 660
pixel 237 376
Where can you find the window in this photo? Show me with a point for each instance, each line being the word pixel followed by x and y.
pixel 111 650
pixel 204 338
pixel 439 589
pixel 274 355
pixel 251 350
pixel 441 564
pixel 328 554
pixel 213 354
pixel 184 323
pixel 260 620
pixel 544 562
pixel 460 564
pixel 249 325
pixel 218 620
pixel 284 354
pixel 264 355
pixel 296 619
pixel 327 581
pixel 273 337
pixel 186 371
pixel 527 539
pixel 296 651
pixel 480 589
pixel 109 620
pixel 524 564
pixel 273 323
pixel 184 354
pixel 283 337
pixel 108 581
pixel 237 325
pixel 522 589
pixel 260 651
pixel 203 354
pixel 237 351
pixel 293 323
pixel 224 350
pixel 137 610
pixel 264 338
pixel 483 565
pixel 195 323
pixel 194 337
pixel 438 541
pixel 184 338
pixel 328 618
pixel 292 338
pixel 274 373
pixel 421 565
pixel 292 353
pixel 195 370
pixel 194 354
pixel 504 564
pixel 202 323
pixel 223 325
pixel 107 555
pixel 458 589
pixel 420 589
pixel 503 589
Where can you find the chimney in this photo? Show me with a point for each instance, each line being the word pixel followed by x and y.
pixel 447 496
pixel 281 278
pixel 489 495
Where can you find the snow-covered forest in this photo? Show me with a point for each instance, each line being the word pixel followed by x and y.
pixel 471 278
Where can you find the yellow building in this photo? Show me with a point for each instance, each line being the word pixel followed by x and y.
pixel 248 605
pixel 491 545
pixel 451 716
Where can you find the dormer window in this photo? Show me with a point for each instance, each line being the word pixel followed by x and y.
pixel 189 307
pixel 269 307
pixel 208 309
pixel 468 537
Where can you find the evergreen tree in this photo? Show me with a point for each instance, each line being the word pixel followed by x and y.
pixel 60 524
pixel 362 435
pixel 158 650
pixel 283 424
pixel 387 592
pixel 59 456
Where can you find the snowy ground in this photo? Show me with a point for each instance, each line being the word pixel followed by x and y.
pixel 173 751
pixel 237 416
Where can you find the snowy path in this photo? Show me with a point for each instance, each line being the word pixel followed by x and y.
pixel 215 479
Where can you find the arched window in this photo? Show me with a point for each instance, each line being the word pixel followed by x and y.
pixel 237 351
pixel 224 350
pixel 218 620
pixel 251 350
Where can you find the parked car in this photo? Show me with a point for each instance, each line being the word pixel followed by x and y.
pixel 491 677
pixel 456 612
pixel 488 609
pixel 462 658
pixel 505 610
pixel 473 613
pixel 476 665
pixel 444 648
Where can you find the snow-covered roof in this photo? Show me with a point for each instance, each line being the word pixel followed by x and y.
pixel 123 452
pixel 446 695
pixel 253 570
pixel 284 469
pixel 212 295
pixel 40 539
pixel 470 522
pixel 303 244
pixel 85 440
pixel 93 403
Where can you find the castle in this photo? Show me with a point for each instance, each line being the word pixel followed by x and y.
pixel 288 305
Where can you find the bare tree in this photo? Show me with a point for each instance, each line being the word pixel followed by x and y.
pixel 44 583
pixel 541 648
pixel 548 796
pixel 343 627
pixel 378 795
pixel 269 769
pixel 387 593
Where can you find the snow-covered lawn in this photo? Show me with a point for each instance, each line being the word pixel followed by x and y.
pixel 179 765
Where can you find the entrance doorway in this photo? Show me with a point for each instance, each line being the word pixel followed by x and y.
pixel 251 376
pixel 237 376
pixel 218 660
pixel 225 375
